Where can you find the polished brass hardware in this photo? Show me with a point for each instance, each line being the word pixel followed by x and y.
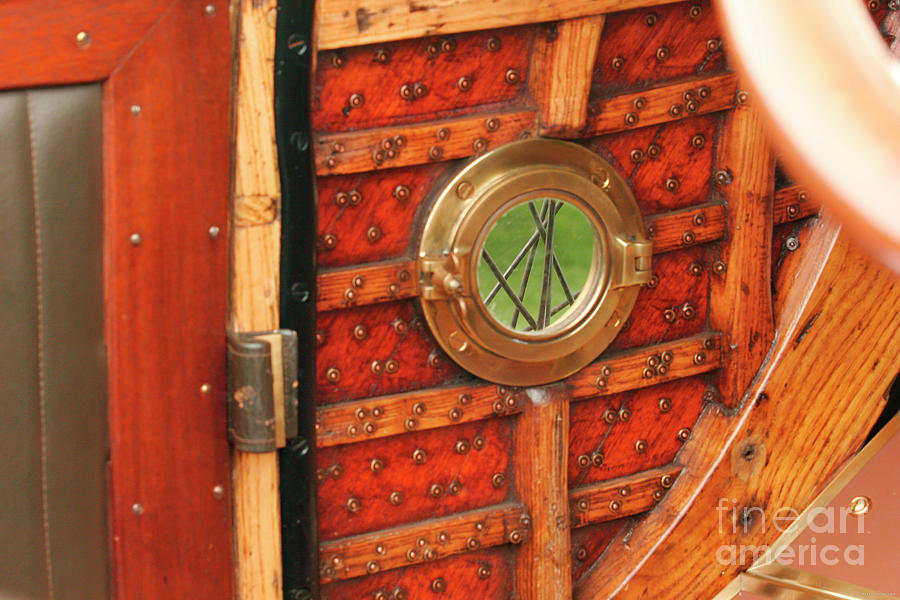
pixel 860 505
pixel 532 174
pixel 493 44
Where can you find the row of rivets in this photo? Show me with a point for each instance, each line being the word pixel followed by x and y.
pixel 604 376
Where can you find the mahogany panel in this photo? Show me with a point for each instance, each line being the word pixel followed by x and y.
pixel 369 217
pixel 639 416
pixel 590 542
pixel 649 45
pixel 374 350
pixel 363 87
pixel 166 178
pixel 484 574
pixel 676 306
pixel 668 166
pixel 44 43
pixel 463 461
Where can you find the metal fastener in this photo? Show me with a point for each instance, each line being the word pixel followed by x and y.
pixel 462 446
pixel 411 423
pixel 688 311
pixel 703 92
pixel 640 446
pixel 373 234
pixel 662 53
pixel 218 491
pixel 625 491
pixel 356 100
pixel 676 110
pixel 498 480
pixel 464 84
pixel 137 508
pixel 419 456
pixel 372 566
pixel 698 141
pixel 484 571
pixel 492 124
pixel 478 442
pixel 464 399
pixel 83 39
pixel 448 44
pixel 396 498
pixel 337 60
pixel 581 553
pixel 377 367
pixel 135 109
pixel 438 585
pixel 667 356
pixel 650 19
pixel 609 416
pixel 713 45
pixel 658 495
pixel 617 63
pixel 636 155
pixel 333 375
pixel 793 210
pixel 791 243
pixel 687 238
pixel 377 465
pixel 361 414
pixel 135 239
pixel 455 488
pixel 654 150
pixel 640 102
pixel 391 366
pixel 695 268
pixel 684 433
pixel 666 481
pixel 493 43
pixel 436 490
pixel 719 267
pixel 479 145
pixel 472 543
pixel 743 97
pixel 360 332
pixel 631 119
pixel 615 506
pixel 516 537
pixel 455 414
pixel 699 358
pixel 512 77
pixel 353 505
pixel 695 11
pixel 382 55
pixel 597 459
pixel 624 414
pixel 665 405
pixel 671 184
pixel 860 505
pixel 669 315
pixel 583 461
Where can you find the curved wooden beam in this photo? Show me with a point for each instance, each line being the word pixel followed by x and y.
pixel 809 408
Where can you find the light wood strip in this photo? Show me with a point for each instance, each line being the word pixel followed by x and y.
pixel 661 104
pixel 562 66
pixel 793 203
pixel 446 406
pixel 254 290
pixel 540 450
pixel 342 23
pixel 620 497
pixel 397 547
pixel 404 145
pixel 741 297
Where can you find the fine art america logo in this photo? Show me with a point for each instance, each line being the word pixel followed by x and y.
pixel 828 521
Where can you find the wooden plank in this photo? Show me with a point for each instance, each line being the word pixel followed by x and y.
pixel 420 143
pixel 661 104
pixel 60 42
pixel 562 67
pixel 342 23
pixel 620 497
pixel 254 288
pixel 425 541
pixel 167 163
pixel 540 446
pixel 811 406
pixel 793 203
pixel 389 280
pixel 741 295
pixel 383 416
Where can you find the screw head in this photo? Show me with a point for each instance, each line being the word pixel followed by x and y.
pixel 512 77
pixel 135 239
pixel 665 405
pixel 83 39
pixel 640 446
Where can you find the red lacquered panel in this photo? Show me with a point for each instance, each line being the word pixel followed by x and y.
pixel 645 420
pixel 462 461
pixel 375 350
pixel 650 45
pixel 363 87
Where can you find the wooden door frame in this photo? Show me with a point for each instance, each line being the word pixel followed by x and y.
pixel 166 72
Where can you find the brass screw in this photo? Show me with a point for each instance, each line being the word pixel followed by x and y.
pixel 492 124
pixel 391 366
pixel 609 416
pixel 662 53
pixel 512 77
pixel 356 100
pixel 443 134
pixel 666 481
pixel 699 358
pixel 581 553
pixel 636 155
pixel 698 141
pixel 640 102
pixel 695 269
pixel 464 84
pixel 353 505
pixel 684 433
pixel 617 63
pixel 703 92
pixel 709 343
pixel 419 456
pixel 676 110
pixel 719 267
pixel 651 231
pixel 399 593
pixel 669 315
pixel 671 184
pixel 692 106
pixel 396 498
pixel 665 405
pixel 713 45
pixel 379 549
pixel 377 465
pixel 479 145
pixel 662 369
pixel 393 289
pixel 337 60
pixel 498 407
pixel 860 505
pixel 493 44
pixel 631 119
pixel 411 424
pixel 687 238
pixel 435 153
pixel 650 19
pixel 654 150
pixel 640 446
pixel 498 480
pixel 462 446
pixel 383 56
pixel 448 45
pixel 373 234
pixel 436 490
pixel 484 572
pixel 455 414
pixel 333 375
pixel 688 311
pixel 615 506
pixel 83 39
pixel 652 360
pixel 597 459
pixel 695 11
pixel 607 371
pixel 743 97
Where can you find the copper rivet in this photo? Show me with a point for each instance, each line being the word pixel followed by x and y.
pixel 337 60
pixel 462 446
pixel 667 356
pixel 419 456
pixel 640 446
pixel 684 433
pixel 493 43
pixel 631 119
pixel 675 110
pixel 479 145
pixel 511 401
pixel 372 567
pixel 698 141
pixel 398 594
pixel 391 366
pixel 792 210
pixel 512 76
pixel 653 150
pixel 719 267
pixel 435 152
pixel 743 97
pixel 478 442
pixel 583 460
pixel 624 414
pixel 361 414
pixel 669 315
pixel 355 198
pixel 703 92
pixel 464 84
pixel 699 358
pixel 331 162
pixel 455 414
pixel 640 102
pixel 665 405
pixel 420 90
pixel 352 430
pixel 479 526
pixel 443 134
pixel 438 585
pixel 393 289
pixel 336 471
pixel 377 367
pixel 406 91
pixel 377 412
pixel 353 505
pixel 607 371
pixel 687 238
pixel 497 480
pixel 83 39
pixel 615 506
pixel 692 106
pixel 515 536
pixel 609 416
pixel 671 184
pixel 432 50
pixel 455 488
pixel 625 491
pixel 699 219
pixel 695 269
pixel 373 233
pixel 666 481
pixel 658 495
pixel 360 332
pixel 443 537
pixel 597 459
pixel 378 157
pixel 464 399
pixel 376 465
pixel 662 53
pixel 356 100
pixel 581 553
pixel 382 55
pixel 648 373
pixel 333 375
pixel 411 424
pixel 472 543
pixel 601 382
pixel 419 408
pixel 401 192
pixel 396 498
pixel 713 45
pixel 650 19
pixel 688 311
pixel 350 295
pixel 448 45
pixel 662 369
pixel 791 243
pixel 492 124
pixel 636 155
pixel 358 281
pixel 860 505
pixel 617 63
pixel 341 199
pixel 695 11
pixel 484 572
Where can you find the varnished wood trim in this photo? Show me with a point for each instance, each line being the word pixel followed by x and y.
pixel 620 497
pixel 396 279
pixel 609 115
pixel 482 401
pixel 793 203
pixel 540 450
pixel 355 152
pixel 343 23
pixel 741 297
pixel 562 67
pixel 397 547
pixel 808 410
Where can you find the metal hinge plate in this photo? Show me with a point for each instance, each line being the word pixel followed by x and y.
pixel 262 389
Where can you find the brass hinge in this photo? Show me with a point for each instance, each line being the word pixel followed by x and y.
pixel 262 389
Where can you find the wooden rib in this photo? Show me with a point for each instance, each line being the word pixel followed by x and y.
pixel 741 299
pixel 382 282
pixel 482 401
pixel 465 532
pixel 687 227
pixel 634 494
pixel 705 223
pixel 342 23
pixel 562 66
pixel 254 291
pixel 793 203
pixel 540 449
pixel 608 115
pixel 354 152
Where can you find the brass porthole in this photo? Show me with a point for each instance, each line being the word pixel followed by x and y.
pixel 531 260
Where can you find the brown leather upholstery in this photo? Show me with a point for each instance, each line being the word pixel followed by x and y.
pixel 53 434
